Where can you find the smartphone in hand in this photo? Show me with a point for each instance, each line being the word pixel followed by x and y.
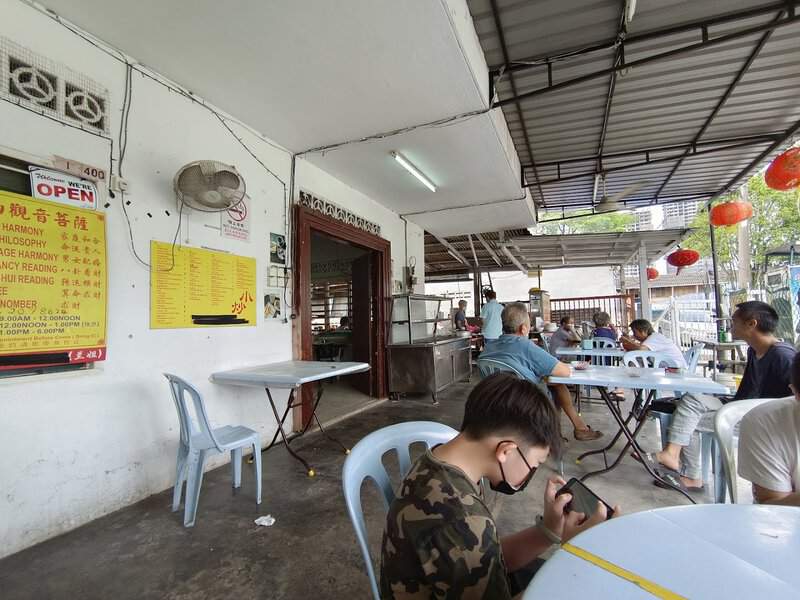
pixel 583 499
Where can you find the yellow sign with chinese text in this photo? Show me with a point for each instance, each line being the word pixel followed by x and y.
pixel 193 287
pixel 52 283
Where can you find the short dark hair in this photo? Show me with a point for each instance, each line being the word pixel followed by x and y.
pixel 796 372
pixel 490 294
pixel 763 314
pixel 565 319
pixel 642 325
pixel 601 319
pixel 505 405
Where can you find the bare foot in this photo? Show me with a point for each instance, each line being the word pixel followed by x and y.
pixel 691 483
pixel 668 461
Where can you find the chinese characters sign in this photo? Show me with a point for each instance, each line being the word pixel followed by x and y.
pixel 192 287
pixel 52 283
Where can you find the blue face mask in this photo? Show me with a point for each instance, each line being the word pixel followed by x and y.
pixel 506 488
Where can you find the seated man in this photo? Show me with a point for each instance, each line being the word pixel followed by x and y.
pixel 515 349
pixel 769 447
pixel 441 539
pixel 460 318
pixel 565 336
pixel 645 338
pixel 766 375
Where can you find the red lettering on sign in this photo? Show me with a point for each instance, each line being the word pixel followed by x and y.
pixel 72 194
pixel 59 190
pixel 87 196
pixel 44 189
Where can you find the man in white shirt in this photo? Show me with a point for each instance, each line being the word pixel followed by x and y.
pixel 646 338
pixel 769 447
pixel 491 313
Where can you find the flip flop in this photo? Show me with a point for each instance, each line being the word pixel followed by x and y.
pixel 649 458
pixel 674 478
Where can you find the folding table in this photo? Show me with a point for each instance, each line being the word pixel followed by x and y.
pixel 711 551
pixel 649 381
pixel 291 374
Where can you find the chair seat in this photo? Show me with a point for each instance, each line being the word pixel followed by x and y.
pixel 229 437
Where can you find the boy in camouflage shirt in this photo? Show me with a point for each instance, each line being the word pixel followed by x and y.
pixel 440 539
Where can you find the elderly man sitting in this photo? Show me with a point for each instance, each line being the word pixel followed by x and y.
pixel 515 349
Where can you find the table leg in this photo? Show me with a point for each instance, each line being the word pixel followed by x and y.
pixel 632 443
pixel 321 428
pixel 281 421
pixel 611 444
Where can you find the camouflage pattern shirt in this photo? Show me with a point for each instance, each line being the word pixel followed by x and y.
pixel 440 539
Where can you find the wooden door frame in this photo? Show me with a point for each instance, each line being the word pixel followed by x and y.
pixel 306 222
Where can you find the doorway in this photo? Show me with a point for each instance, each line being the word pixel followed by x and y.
pixel 342 281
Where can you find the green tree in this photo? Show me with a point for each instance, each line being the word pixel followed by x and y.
pixel 775 222
pixel 591 223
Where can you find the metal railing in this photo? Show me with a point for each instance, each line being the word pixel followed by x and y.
pixel 621 308
pixel 685 320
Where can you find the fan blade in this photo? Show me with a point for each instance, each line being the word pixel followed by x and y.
pixel 627 191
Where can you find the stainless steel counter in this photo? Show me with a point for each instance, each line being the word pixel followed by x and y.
pixel 428 366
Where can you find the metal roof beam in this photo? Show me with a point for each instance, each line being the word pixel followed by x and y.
pixel 452 250
pixel 753 139
pixel 612 83
pixel 474 256
pixel 504 48
pixel 706 42
pixel 655 161
pixel 514 260
pixel 489 249
pixel 784 139
pixel 728 92
pixel 697 25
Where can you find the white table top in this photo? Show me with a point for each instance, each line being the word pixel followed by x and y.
pixel 706 551
pixel 288 374
pixel 649 379
pixel 578 351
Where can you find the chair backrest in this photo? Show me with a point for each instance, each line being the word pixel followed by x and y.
pixel 487 366
pixel 647 359
pixel 365 462
pixel 545 337
pixel 692 356
pixel 602 342
pixel 726 427
pixel 193 417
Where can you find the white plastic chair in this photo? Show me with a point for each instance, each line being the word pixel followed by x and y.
pixel 692 357
pixel 365 462
pixel 199 441
pixel 601 342
pixel 726 429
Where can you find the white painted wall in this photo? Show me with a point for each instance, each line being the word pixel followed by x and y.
pixel 79 445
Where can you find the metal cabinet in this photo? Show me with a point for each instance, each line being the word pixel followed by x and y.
pixel 428 366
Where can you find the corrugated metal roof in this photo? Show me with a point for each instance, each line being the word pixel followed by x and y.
pixel 685 127
pixel 544 251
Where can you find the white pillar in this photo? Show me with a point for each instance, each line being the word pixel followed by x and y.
pixel 644 288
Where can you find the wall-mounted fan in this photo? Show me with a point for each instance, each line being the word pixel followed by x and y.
pixel 611 203
pixel 209 186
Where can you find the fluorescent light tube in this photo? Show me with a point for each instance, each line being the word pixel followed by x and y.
pixel 406 164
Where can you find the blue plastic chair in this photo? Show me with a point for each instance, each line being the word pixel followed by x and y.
pixel 199 441
pixel 365 462
pixel 488 366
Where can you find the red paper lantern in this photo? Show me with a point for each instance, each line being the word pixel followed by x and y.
pixel 730 213
pixel 683 257
pixel 652 273
pixel 784 172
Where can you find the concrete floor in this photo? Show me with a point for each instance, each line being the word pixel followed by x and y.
pixel 144 552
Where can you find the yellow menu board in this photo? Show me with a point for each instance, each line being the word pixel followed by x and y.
pixel 52 283
pixel 192 287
